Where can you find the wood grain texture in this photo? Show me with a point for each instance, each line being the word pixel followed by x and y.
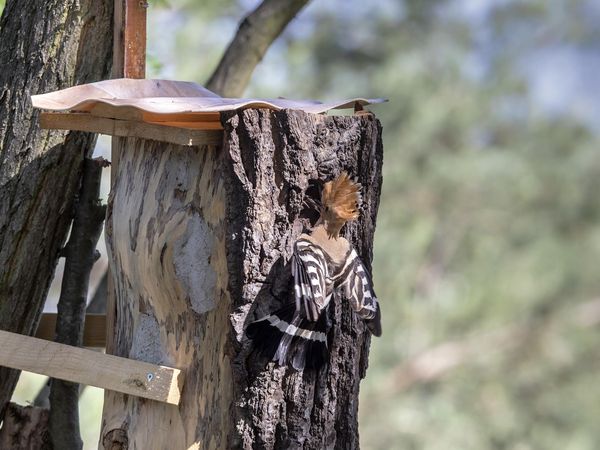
pixel 135 114
pixel 142 379
pixel 40 170
pixel 134 39
pixel 199 239
pixel 94 332
pixel 166 244
pixel 130 38
pixel 124 128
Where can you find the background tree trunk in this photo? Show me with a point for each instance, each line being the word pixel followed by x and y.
pixel 198 239
pixel 39 169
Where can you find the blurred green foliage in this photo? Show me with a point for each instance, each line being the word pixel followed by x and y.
pixel 487 235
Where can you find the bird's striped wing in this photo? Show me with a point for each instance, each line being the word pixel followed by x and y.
pixel 296 334
pixel 355 281
pixel 309 268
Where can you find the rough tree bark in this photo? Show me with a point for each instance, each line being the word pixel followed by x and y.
pixel 199 238
pixel 25 428
pixel 40 170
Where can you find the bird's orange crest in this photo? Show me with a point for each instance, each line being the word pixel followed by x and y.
pixel 341 198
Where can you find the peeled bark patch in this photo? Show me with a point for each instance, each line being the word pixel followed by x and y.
pixel 191 258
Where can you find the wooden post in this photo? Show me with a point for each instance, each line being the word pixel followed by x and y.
pixel 198 238
pixel 129 61
pixel 129 46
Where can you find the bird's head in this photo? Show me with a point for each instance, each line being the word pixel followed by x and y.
pixel 340 201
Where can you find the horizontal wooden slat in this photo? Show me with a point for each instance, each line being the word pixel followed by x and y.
pixel 111 112
pixel 191 125
pixel 135 114
pixel 182 117
pixel 90 367
pixel 126 128
pixel 94 333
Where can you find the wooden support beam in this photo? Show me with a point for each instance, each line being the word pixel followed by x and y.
pixel 135 114
pixel 94 334
pixel 127 128
pixel 129 57
pixel 90 367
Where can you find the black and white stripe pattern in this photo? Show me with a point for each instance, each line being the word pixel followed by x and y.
pixel 355 282
pixel 312 285
pixel 297 334
pixel 290 339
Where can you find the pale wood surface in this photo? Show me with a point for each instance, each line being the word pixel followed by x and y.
pixel 94 334
pixel 89 367
pixel 124 128
pixel 135 114
pixel 173 97
pixel 165 236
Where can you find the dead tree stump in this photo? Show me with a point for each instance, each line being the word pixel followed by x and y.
pixel 199 239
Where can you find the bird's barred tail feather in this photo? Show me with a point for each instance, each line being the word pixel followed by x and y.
pixel 287 338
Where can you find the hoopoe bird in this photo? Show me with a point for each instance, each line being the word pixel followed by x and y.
pixel 323 264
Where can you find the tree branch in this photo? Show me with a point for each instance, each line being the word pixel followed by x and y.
pixel 81 255
pixel 255 35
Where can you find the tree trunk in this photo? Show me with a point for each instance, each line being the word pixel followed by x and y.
pixel 39 169
pixel 25 428
pixel 198 239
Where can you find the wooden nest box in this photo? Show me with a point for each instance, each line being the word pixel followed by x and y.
pixel 177 112
pixel 207 198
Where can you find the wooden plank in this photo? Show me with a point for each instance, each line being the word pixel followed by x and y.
pixel 182 117
pixel 90 367
pixel 135 39
pixel 113 112
pixel 118 35
pixel 212 120
pixel 129 49
pixel 191 125
pixel 125 128
pixel 94 334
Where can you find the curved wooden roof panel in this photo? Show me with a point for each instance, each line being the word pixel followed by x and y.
pixel 172 97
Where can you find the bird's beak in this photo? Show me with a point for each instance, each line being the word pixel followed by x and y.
pixel 311 203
